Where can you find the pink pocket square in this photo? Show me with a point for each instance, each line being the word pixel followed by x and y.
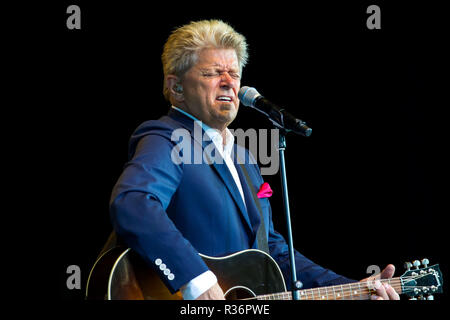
pixel 264 191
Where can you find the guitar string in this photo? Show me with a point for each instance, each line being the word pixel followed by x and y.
pixel 349 289
pixel 364 294
pixel 343 292
pixel 316 295
pixel 337 296
pixel 288 295
pixel 361 296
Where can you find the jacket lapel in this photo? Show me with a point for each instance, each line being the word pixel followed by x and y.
pixel 225 174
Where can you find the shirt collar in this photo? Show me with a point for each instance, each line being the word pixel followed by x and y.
pixel 214 134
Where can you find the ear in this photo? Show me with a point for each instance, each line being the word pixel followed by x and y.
pixel 173 83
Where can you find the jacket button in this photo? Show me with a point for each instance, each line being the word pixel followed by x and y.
pixel 166 271
pixel 162 266
pixel 171 276
pixel 158 261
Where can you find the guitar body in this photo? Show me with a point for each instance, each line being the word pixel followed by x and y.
pixel 120 274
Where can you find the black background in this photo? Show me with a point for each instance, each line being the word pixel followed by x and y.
pixel 366 187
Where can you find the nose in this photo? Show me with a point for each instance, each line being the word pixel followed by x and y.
pixel 226 81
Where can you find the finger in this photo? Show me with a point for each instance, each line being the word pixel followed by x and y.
pixel 375 297
pixel 380 290
pixel 392 294
pixel 388 272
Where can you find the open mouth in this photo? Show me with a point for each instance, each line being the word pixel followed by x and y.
pixel 224 98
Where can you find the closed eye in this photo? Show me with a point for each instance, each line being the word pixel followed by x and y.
pixel 211 74
pixel 216 73
pixel 234 75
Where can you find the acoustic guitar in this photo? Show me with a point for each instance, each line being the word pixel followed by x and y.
pixel 120 274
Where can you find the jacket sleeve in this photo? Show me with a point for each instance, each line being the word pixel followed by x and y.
pixel 137 208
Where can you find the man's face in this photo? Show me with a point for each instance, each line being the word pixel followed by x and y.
pixel 210 87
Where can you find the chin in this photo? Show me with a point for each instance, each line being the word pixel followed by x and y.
pixel 230 117
pixel 224 119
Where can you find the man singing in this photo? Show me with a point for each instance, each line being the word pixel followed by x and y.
pixel 170 211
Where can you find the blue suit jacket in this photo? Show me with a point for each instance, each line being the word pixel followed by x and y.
pixel 170 212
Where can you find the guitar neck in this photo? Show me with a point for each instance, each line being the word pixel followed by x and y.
pixel 350 291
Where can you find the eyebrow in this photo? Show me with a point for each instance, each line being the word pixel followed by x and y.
pixel 221 66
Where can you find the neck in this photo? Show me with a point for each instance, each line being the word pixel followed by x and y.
pixel 351 291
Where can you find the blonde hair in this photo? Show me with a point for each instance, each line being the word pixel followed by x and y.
pixel 180 50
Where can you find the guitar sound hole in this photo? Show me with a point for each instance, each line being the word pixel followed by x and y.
pixel 238 293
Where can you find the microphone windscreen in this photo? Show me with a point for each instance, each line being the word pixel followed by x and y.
pixel 247 95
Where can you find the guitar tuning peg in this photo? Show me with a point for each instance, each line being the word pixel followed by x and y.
pixel 408 265
pixel 430 297
pixel 416 264
pixel 412 298
pixel 425 262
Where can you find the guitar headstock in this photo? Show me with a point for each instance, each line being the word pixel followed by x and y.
pixel 421 282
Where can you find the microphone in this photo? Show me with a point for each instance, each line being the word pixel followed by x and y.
pixel 279 117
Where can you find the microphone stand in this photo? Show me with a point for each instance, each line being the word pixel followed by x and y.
pixel 296 284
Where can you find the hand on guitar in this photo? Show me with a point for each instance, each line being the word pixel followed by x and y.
pixel 383 290
pixel 213 293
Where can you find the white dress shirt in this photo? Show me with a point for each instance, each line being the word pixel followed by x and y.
pixel 194 288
